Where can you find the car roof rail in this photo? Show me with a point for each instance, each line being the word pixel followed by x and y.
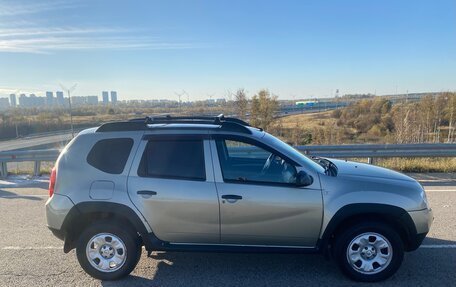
pixel 226 123
pixel 217 120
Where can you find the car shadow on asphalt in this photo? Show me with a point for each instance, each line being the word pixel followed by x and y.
pixel 24 183
pixel 228 269
pixel 437 242
pixel 11 195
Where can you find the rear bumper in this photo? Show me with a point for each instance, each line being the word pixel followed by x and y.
pixel 57 208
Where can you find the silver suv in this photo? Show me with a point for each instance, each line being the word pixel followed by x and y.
pixel 217 184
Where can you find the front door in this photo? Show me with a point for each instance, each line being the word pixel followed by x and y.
pixel 173 186
pixel 260 203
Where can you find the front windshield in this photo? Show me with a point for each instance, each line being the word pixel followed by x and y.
pixel 292 151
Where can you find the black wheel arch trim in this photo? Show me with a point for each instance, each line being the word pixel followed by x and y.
pixel 385 211
pixel 70 224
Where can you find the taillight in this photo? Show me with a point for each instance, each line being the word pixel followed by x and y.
pixel 52 182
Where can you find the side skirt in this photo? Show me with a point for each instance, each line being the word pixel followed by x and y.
pixel 152 243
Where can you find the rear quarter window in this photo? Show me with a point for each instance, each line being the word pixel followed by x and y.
pixel 110 155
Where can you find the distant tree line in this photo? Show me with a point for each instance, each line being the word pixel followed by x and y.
pixel 368 120
pixel 377 120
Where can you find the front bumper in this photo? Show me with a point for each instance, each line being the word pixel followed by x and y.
pixel 423 220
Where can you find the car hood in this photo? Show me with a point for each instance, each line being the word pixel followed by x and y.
pixel 351 168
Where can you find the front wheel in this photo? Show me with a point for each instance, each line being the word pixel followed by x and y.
pixel 369 251
pixel 108 252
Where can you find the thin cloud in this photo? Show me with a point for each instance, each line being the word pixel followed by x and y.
pixel 33 38
pixel 47 43
pixel 16 9
pixel 22 32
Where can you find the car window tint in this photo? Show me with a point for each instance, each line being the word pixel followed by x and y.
pixel 179 159
pixel 244 162
pixel 110 155
pixel 245 150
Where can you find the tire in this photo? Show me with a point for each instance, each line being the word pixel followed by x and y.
pixel 369 251
pixel 106 251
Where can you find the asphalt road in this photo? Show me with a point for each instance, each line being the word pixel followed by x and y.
pixel 31 256
pixel 35 141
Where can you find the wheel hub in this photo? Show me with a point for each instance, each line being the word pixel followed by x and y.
pixel 369 253
pixel 107 251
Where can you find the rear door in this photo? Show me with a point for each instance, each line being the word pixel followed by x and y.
pixel 172 184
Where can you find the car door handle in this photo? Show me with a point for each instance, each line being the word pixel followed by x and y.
pixel 231 196
pixel 146 192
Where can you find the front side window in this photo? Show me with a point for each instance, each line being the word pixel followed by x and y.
pixel 242 161
pixel 174 159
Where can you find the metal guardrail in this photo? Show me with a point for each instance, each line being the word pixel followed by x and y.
pixel 370 151
pixel 36 156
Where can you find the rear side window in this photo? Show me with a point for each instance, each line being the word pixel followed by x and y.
pixel 110 155
pixel 175 159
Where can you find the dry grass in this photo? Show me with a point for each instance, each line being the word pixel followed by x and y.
pixel 308 120
pixel 408 164
pixel 424 164
pixel 26 167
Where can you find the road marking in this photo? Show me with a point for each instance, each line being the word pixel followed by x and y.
pixel 25 195
pixel 438 246
pixel 438 180
pixel 31 247
pixel 434 190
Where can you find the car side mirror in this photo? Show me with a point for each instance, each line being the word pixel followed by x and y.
pixel 303 179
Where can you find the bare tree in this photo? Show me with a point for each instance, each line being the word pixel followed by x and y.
pixel 451 107
pixel 241 103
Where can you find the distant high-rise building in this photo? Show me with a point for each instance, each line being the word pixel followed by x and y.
pixel 105 95
pixel 23 100
pixel 78 100
pixel 49 98
pixel 60 99
pixel 4 103
pixel 13 102
pixel 92 100
pixel 113 97
pixel 31 101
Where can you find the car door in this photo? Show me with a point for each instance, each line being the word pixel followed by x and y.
pixel 260 203
pixel 172 184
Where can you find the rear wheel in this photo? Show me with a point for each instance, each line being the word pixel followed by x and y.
pixel 107 252
pixel 369 251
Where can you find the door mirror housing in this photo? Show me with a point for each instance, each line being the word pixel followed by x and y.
pixel 303 179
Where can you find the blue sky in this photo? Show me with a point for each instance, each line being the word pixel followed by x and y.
pixel 296 49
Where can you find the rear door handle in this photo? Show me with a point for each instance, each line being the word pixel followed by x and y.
pixel 231 196
pixel 146 192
